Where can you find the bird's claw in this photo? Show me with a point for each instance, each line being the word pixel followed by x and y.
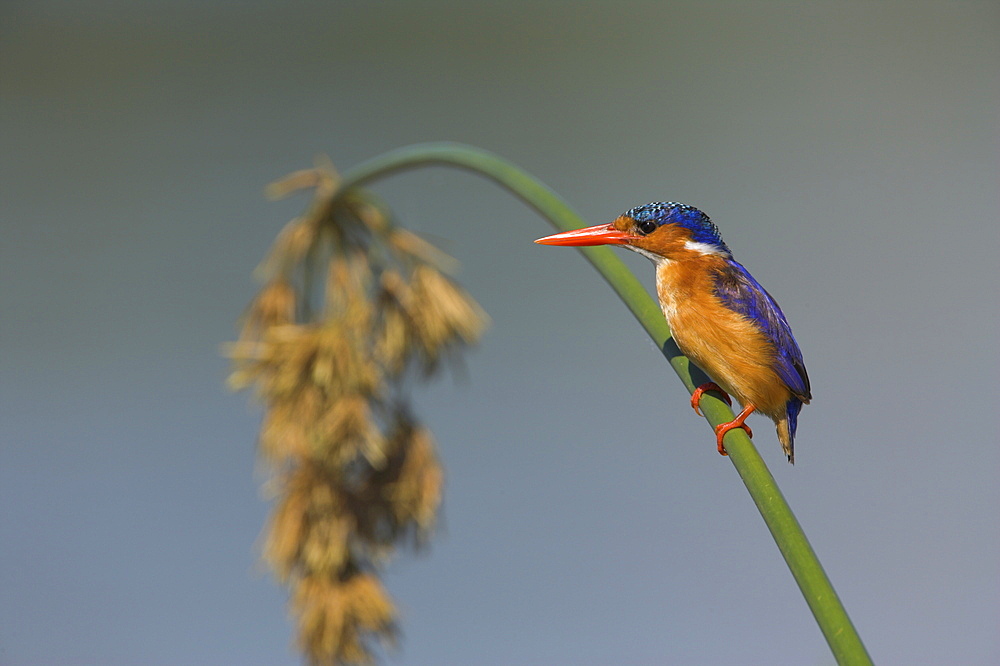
pixel 723 428
pixel 700 391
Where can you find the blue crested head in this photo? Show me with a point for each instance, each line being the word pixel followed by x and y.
pixel 701 227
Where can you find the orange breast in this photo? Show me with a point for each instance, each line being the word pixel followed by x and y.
pixel 731 349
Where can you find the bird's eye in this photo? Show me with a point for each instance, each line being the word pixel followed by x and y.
pixel 646 227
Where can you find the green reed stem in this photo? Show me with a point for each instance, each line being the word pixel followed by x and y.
pixel 788 535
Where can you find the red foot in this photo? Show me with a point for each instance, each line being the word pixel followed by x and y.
pixel 723 428
pixel 700 391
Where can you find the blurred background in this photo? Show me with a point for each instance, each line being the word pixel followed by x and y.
pixel 847 150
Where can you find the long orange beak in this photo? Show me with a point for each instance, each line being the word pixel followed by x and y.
pixel 602 234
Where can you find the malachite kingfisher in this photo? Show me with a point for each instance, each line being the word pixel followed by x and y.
pixel 720 316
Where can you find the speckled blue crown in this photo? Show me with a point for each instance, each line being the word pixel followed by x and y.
pixel 702 229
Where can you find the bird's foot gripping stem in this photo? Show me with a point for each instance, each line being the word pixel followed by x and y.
pixel 722 428
pixel 700 391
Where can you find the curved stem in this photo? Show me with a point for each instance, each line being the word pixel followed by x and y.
pixel 788 535
pixel 532 192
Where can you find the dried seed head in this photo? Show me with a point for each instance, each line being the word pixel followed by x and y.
pixel 371 215
pixel 290 248
pixel 287 528
pixel 443 314
pixel 413 494
pixel 273 306
pixel 413 246
pixel 420 482
pixel 336 618
pixel 348 287
pixel 350 303
pixel 293 182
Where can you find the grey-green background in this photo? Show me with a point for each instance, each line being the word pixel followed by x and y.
pixel 847 150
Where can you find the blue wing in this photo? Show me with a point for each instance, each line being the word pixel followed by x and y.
pixel 737 289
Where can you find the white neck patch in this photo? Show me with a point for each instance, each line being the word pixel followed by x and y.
pixel 704 248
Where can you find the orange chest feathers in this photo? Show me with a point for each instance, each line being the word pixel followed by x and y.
pixel 732 349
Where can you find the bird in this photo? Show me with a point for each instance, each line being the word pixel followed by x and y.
pixel 721 318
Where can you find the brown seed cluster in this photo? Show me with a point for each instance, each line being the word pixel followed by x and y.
pixel 351 305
